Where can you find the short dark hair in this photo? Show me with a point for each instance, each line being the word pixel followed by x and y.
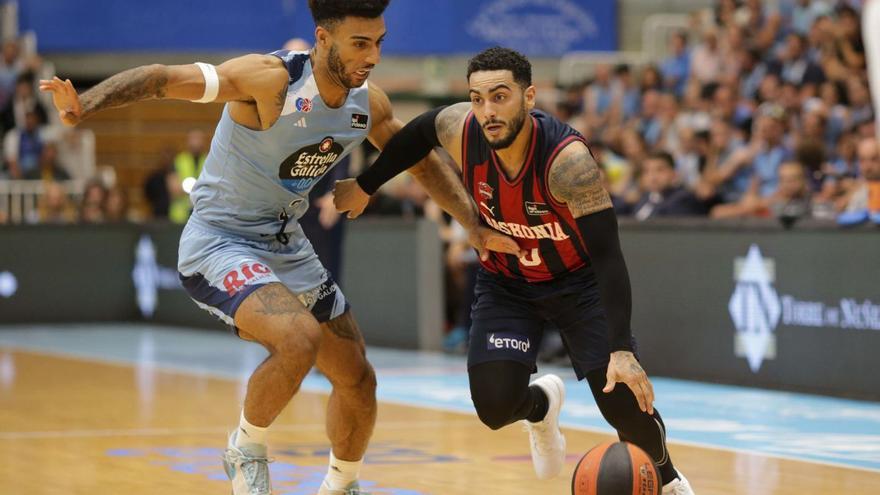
pixel 663 156
pixel 498 58
pixel 327 13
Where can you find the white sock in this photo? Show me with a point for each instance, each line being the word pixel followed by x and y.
pixel 340 474
pixel 250 434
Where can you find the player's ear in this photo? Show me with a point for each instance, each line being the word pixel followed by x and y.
pixel 322 37
pixel 529 95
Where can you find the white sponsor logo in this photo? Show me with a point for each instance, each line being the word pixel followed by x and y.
pixel 149 277
pixel 755 310
pixel 507 341
pixel 300 123
pixel 8 284
pixel 550 26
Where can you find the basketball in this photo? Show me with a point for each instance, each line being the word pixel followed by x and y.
pixel 615 468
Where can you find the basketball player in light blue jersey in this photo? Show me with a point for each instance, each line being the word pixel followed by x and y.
pixel 289 118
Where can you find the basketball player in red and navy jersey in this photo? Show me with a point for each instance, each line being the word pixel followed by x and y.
pixel 533 178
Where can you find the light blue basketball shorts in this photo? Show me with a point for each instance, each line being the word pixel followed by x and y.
pixel 219 270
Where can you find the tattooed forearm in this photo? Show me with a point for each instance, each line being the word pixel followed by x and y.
pixel 449 122
pixel 576 181
pixel 140 83
pixel 445 188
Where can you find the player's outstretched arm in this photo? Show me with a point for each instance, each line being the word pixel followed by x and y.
pixel 251 78
pixel 574 179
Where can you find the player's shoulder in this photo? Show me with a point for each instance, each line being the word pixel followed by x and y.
pixel 294 62
pixel 552 127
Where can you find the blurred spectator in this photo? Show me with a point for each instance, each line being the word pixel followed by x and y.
pixel 116 205
pixel 91 209
pixel 791 199
pixel 22 147
pixel 157 187
pixel 49 168
pixel 462 266
pixel 54 205
pixel 651 79
pixel 706 59
pixel 863 196
pixel 187 167
pixel 663 195
pixel 10 68
pixel 677 67
pixel 859 98
pixel 759 160
pixel 797 68
pixel 625 95
pixel 598 96
pixel 23 101
pixel 805 13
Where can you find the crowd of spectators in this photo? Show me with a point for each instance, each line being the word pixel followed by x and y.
pixel 758 111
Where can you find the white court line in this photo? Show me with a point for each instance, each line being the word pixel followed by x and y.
pixel 214 374
pixel 211 430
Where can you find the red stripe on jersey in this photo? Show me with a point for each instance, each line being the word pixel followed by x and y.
pixel 522 207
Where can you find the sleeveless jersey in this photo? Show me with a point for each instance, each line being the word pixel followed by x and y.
pixel 523 207
pixel 254 182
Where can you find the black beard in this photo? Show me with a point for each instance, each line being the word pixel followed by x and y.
pixel 337 68
pixel 515 126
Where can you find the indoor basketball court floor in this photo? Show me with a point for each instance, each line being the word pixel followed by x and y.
pixel 137 410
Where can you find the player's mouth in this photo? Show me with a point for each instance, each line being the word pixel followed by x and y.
pixel 363 73
pixel 494 129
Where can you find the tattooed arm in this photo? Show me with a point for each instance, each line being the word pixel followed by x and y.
pixel 575 180
pixel 259 81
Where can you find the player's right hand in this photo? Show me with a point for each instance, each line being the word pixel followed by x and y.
pixel 65 99
pixel 484 239
pixel 349 197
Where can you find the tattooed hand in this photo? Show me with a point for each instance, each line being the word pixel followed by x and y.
pixel 624 367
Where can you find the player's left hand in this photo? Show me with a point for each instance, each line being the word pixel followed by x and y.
pixel 624 367
pixel 65 99
pixel 327 214
pixel 484 239
pixel 349 197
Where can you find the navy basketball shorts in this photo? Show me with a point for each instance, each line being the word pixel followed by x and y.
pixel 510 316
pixel 220 270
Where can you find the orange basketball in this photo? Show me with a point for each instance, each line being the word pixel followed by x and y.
pixel 615 468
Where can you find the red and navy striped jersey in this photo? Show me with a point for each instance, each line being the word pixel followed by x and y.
pixel 523 207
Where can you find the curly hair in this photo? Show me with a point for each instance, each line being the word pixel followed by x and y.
pixel 327 13
pixel 498 58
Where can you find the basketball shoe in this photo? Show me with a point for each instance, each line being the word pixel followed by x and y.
pixel 247 468
pixel 679 486
pixel 547 442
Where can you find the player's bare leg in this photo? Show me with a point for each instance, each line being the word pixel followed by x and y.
pixel 351 409
pixel 274 317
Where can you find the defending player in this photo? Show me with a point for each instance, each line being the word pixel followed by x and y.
pixel 289 118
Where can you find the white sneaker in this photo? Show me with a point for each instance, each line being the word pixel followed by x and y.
pixel 548 443
pixel 247 468
pixel 352 489
pixel 681 486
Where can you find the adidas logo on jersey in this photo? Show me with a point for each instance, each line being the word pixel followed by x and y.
pixel 300 123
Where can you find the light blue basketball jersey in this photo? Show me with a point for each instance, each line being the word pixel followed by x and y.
pixel 253 180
